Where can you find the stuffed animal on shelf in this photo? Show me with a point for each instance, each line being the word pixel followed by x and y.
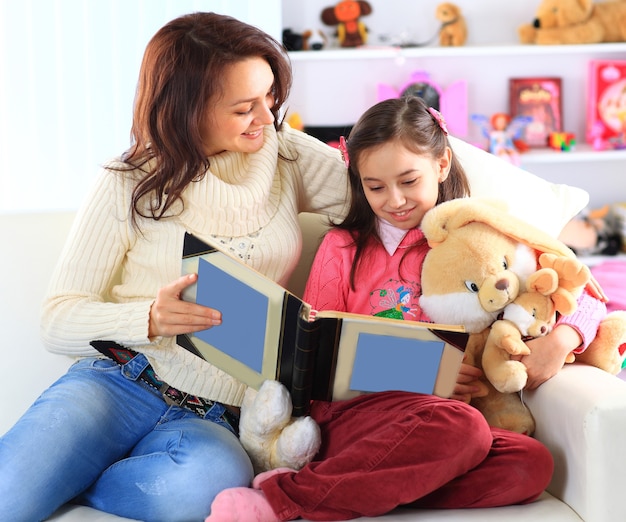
pixel 453 32
pixel 560 22
pixel 346 15
pixel 503 133
pixel 270 435
pixel 481 259
pixel 292 41
pixel 314 40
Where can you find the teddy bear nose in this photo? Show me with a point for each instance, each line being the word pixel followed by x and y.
pixel 544 330
pixel 502 284
pixel 536 23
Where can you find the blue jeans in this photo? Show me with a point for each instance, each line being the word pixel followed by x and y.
pixel 107 440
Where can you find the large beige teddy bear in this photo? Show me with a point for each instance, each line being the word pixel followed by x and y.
pixel 576 22
pixel 481 259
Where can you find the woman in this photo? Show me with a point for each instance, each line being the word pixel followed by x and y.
pixel 208 156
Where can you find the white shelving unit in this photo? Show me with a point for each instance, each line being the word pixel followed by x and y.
pixel 334 86
pixel 506 50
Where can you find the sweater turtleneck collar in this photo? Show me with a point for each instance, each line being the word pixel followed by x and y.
pixel 238 194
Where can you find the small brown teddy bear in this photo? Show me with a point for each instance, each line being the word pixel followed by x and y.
pixel 532 314
pixel 453 32
pixel 576 22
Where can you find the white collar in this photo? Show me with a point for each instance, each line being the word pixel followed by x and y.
pixel 390 235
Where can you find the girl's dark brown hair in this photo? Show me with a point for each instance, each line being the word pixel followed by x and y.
pixel 408 121
pixel 180 74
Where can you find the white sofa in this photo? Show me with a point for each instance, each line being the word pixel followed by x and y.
pixel 581 413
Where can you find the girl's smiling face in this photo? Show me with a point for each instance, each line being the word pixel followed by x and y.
pixel 400 185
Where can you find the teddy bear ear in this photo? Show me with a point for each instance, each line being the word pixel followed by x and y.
pixel 544 281
pixel 435 224
pixel 456 213
pixel 564 301
pixel 495 213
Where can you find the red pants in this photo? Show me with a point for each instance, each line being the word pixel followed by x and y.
pixel 383 450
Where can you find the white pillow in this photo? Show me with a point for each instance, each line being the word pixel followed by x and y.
pixel 546 205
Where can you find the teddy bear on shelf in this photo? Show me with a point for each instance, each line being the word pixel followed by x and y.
pixel 346 15
pixel 270 435
pixel 453 31
pixel 314 40
pixel 481 259
pixel 559 22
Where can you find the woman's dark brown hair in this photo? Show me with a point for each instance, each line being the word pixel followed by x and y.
pixel 408 121
pixel 180 74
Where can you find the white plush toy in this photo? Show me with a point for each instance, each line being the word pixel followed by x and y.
pixel 269 434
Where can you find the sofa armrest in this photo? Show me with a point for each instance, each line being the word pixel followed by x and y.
pixel 581 417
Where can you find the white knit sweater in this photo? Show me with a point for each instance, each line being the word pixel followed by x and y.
pixel 247 202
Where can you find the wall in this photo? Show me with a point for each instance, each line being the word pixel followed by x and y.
pixel 336 87
pixel 68 71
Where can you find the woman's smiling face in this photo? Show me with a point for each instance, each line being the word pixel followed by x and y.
pixel 236 118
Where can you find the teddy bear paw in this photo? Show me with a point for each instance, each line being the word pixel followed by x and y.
pixel 269 412
pixel 297 444
pixel 511 377
pixel 527 34
pixel 513 345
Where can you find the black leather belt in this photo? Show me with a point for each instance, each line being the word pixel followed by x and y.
pixel 121 355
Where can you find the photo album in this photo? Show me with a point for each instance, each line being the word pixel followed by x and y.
pixel 269 333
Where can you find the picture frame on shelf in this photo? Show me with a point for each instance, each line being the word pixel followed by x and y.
pixel 606 104
pixel 541 100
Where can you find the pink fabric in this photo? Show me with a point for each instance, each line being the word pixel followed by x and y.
pixel 387 449
pixel 379 290
pixel 586 319
pixel 612 278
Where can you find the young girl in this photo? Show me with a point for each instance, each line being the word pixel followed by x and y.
pixel 384 450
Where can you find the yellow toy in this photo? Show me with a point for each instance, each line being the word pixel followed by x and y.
pixel 480 261
pixel 576 22
pixel 453 32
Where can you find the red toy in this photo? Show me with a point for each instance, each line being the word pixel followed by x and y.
pixel 346 15
pixel 562 141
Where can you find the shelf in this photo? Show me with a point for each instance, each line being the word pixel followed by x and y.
pixel 582 153
pixel 381 52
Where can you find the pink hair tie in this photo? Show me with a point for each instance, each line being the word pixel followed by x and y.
pixel 343 147
pixel 439 119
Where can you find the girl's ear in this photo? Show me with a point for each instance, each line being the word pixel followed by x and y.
pixel 445 163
